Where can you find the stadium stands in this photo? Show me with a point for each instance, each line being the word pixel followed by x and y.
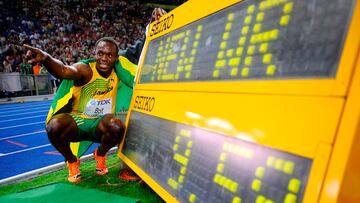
pixel 67 29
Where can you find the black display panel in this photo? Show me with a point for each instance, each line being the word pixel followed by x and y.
pixel 196 165
pixel 271 39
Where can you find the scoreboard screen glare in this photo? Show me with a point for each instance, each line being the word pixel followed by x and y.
pixel 253 40
pixel 196 165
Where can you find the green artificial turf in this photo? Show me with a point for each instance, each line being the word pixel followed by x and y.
pixel 109 183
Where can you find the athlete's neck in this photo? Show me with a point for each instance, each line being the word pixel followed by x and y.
pixel 104 74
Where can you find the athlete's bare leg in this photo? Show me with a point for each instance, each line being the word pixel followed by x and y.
pixel 62 130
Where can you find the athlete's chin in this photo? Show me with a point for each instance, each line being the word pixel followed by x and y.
pixel 104 69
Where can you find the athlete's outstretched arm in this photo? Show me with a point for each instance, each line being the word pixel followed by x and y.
pixel 56 67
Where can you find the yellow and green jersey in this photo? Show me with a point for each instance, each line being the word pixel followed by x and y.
pixel 97 97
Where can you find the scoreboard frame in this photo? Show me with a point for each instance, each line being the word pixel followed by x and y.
pixel 338 95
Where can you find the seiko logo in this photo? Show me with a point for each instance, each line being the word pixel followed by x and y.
pixel 162 25
pixel 144 103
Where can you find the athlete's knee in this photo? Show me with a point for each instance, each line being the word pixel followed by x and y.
pixel 119 127
pixel 60 125
pixel 52 127
pixel 113 126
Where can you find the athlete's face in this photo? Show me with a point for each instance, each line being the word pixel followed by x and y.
pixel 106 55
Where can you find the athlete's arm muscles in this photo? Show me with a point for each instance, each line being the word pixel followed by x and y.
pixel 56 68
pixel 77 71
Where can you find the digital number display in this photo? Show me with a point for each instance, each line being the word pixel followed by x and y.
pixel 196 165
pixel 253 40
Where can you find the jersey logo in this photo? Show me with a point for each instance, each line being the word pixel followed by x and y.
pixel 96 107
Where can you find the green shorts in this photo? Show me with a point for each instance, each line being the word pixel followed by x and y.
pixel 87 127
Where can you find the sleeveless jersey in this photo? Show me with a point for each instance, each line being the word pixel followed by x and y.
pixel 97 97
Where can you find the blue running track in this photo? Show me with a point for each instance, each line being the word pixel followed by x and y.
pixel 24 145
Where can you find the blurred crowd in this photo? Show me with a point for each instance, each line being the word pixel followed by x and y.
pixel 67 29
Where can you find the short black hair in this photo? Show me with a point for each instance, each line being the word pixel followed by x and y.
pixel 108 39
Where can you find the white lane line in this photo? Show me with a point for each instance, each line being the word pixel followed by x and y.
pixel 28 103
pixel 16 119
pixel 12 106
pixel 24 150
pixel 15 126
pixel 21 135
pixel 22 110
pixel 47 169
pixel 25 107
pixel 31 112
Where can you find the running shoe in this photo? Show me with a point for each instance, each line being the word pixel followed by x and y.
pixel 74 171
pixel 100 163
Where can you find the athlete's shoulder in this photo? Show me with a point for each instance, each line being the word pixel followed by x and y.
pixel 87 61
pixel 84 67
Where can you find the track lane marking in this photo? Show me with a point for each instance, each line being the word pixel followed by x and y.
pixel 16 119
pixel 21 135
pixel 16 143
pixel 24 107
pixel 15 126
pixel 23 113
pixel 53 153
pixel 24 150
pixel 22 110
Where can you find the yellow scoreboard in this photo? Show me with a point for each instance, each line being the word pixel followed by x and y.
pixel 249 101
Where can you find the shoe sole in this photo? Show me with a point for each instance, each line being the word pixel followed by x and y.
pixel 101 172
pixel 75 180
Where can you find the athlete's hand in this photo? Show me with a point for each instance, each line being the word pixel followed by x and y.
pixel 157 14
pixel 34 54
